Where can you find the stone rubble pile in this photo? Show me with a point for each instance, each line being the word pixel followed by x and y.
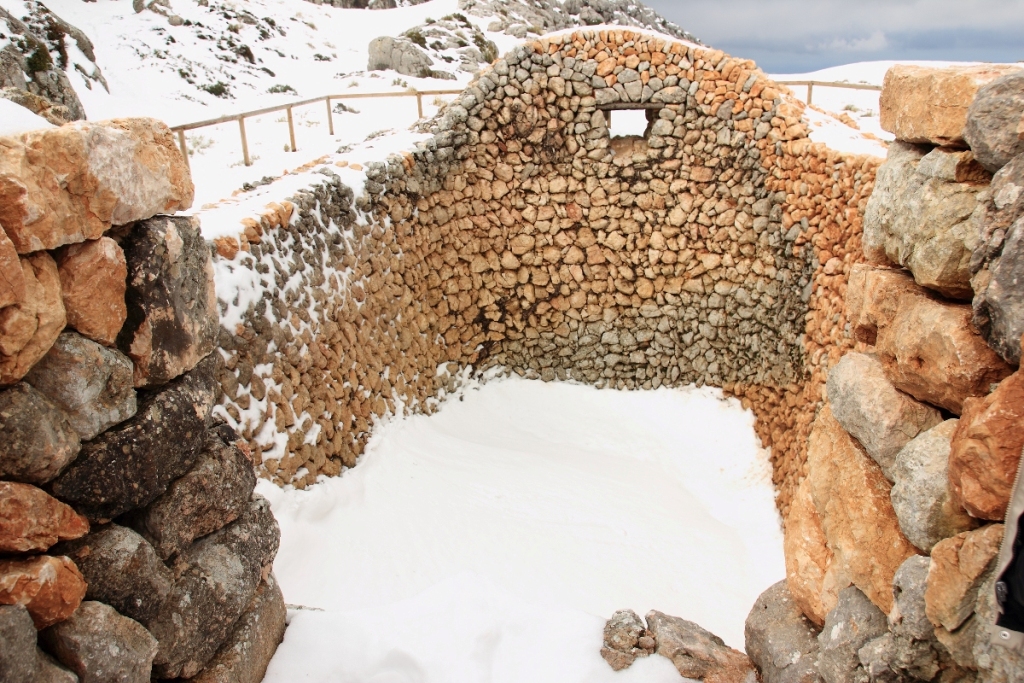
pixel 131 544
pixel 891 538
pixel 715 251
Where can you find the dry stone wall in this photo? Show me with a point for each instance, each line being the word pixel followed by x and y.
pixel 131 543
pixel 713 250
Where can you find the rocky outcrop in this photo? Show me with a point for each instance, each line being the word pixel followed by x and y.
pixel 100 645
pixel 401 55
pixel 993 119
pixel 70 184
pixel 919 215
pixel 172 304
pixel 927 509
pixel 927 105
pixel 867 405
pixel 93 278
pixel 780 641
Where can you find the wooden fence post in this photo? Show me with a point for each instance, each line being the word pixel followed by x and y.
pixel 245 142
pixel 810 93
pixel 330 116
pixel 291 129
pixel 184 148
pixel 419 104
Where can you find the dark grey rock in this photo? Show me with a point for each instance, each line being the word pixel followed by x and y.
pixel 907 617
pixel 132 464
pixel 780 641
pixel 121 569
pixel 992 121
pixel 212 494
pixel 20 660
pixel 89 382
pixel 247 653
pixel 101 646
pixel 172 305
pixel 920 494
pixel 36 439
pixel 999 308
pixel 622 640
pixel 216 579
pixel 853 623
pixel 401 55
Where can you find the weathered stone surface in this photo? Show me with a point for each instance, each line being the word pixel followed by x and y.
pixel 122 570
pixel 19 659
pixel 999 305
pixel 853 623
pixel 216 579
pixel 932 352
pixel 780 641
pixel 992 121
pixel 891 658
pixel 70 184
pixel 90 383
pixel 869 407
pixel 131 465
pixel 986 447
pixel 247 653
pixel 852 499
pixel 50 587
pixel 623 634
pixel 960 643
pixel 996 664
pixel 101 646
pixel 36 439
pixel 12 279
pixel 399 54
pixel 172 305
pixel 908 617
pixel 919 216
pixel 873 298
pixel 921 496
pixel 32 520
pixel 29 327
pixel 813 576
pixel 93 279
pixel 212 494
pixel 957 571
pixel 697 653
pixel 926 105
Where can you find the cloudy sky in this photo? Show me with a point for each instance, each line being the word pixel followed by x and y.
pixel 789 36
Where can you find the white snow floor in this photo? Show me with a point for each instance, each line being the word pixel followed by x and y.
pixel 490 541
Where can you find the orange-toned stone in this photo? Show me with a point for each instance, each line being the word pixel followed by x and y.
pixel 93 279
pixel 32 520
pixel 873 297
pixel 227 247
pixel 29 327
pixel 51 588
pixel 12 280
pixel 851 496
pixel 925 105
pixel 811 572
pixel 985 449
pixel 957 571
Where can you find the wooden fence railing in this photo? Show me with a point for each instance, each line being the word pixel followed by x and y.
pixel 180 130
pixel 825 84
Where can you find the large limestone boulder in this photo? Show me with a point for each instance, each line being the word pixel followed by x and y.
pixel 90 383
pixel 958 568
pixel 780 641
pixel 993 119
pixel 93 278
pixel 932 351
pixel 997 262
pixel 173 318
pixel 247 653
pixel 869 407
pixel 31 520
pixel 51 588
pixel 926 105
pixel 70 184
pixel 852 498
pixel 401 55
pixel 100 645
pixel 29 326
pixel 921 495
pixel 919 215
pixel 812 574
pixel 696 653
pixel 217 578
pixel 986 448
pixel 37 440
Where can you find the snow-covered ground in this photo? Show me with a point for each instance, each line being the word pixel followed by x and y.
pixel 491 540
